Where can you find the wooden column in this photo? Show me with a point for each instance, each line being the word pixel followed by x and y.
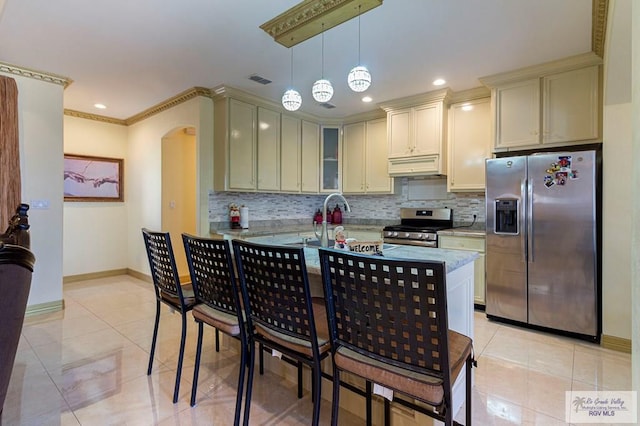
pixel 9 151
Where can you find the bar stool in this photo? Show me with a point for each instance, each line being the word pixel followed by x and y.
pixel 388 324
pixel 279 310
pixel 166 283
pixel 217 301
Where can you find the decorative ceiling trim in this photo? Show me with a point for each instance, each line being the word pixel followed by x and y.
pixel 36 75
pixel 170 103
pixel 600 10
pixel 95 117
pixel 311 17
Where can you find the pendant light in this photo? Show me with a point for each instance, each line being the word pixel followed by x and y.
pixel 359 78
pixel 322 89
pixel 291 100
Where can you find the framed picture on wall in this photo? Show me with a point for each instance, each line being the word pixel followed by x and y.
pixel 88 178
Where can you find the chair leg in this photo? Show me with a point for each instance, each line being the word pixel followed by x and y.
pixel 247 402
pixel 261 357
pixel 317 391
pixel 299 379
pixel 183 338
pixel 196 370
pixel 387 412
pixel 468 396
pixel 155 336
pixel 243 365
pixel 335 404
pixel 217 340
pixel 368 401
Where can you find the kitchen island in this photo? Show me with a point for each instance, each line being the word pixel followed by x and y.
pixel 460 303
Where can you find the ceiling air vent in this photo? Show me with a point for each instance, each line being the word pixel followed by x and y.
pixel 327 105
pixel 259 79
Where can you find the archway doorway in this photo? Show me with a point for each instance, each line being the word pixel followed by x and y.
pixel 179 186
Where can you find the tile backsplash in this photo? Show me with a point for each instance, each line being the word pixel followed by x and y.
pixel 273 206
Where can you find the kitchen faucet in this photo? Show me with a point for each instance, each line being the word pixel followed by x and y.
pixel 324 232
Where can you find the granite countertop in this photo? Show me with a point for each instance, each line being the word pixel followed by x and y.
pixel 454 259
pixel 465 230
pixel 276 227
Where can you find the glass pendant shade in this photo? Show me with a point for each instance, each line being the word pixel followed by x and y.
pixel 291 100
pixel 322 90
pixel 359 79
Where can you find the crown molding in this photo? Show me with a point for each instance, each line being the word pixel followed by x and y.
pixel 600 11
pixel 310 17
pixel 440 95
pixel 540 70
pixel 170 103
pixel 470 94
pixel 36 75
pixel 95 117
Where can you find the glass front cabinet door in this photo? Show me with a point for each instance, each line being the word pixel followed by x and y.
pixel 330 159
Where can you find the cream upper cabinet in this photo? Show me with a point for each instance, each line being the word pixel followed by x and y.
pixel 310 153
pixel 553 104
pixel 242 146
pixel 268 150
pixel 469 144
pixel 290 154
pixel 364 158
pixel 518 114
pixel 330 159
pixel 353 165
pixel 416 134
pixel 376 163
pixel 571 106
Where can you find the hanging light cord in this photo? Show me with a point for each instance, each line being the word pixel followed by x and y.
pixel 322 69
pixel 291 65
pixel 359 6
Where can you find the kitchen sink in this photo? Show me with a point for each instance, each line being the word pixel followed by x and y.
pixel 316 243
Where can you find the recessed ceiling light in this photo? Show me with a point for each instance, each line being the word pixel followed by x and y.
pixel 100 106
pixel 367 99
pixel 439 82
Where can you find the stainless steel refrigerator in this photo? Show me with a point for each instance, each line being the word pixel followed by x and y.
pixel 542 262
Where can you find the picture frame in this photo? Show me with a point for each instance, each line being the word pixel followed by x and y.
pixel 89 178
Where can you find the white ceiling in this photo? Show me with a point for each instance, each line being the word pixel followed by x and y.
pixel 134 54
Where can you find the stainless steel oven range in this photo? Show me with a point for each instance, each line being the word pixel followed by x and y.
pixel 419 227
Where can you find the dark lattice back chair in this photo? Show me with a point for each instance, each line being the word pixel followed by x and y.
pixel 217 300
pixel 166 283
pixel 279 309
pixel 388 324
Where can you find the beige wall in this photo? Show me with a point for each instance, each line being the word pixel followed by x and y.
pixel 40 127
pixel 144 171
pixel 95 237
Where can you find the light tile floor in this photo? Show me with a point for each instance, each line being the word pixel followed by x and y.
pixel 87 365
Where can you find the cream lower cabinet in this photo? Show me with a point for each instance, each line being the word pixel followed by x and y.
pixel 470 243
pixel 290 154
pixel 364 158
pixel 469 145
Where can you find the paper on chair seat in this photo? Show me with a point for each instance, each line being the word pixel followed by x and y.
pixel 382 391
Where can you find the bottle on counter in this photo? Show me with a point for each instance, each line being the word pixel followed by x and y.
pixel 317 217
pixel 336 217
pixel 329 215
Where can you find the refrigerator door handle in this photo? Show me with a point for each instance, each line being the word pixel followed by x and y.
pixel 524 207
pixel 530 221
